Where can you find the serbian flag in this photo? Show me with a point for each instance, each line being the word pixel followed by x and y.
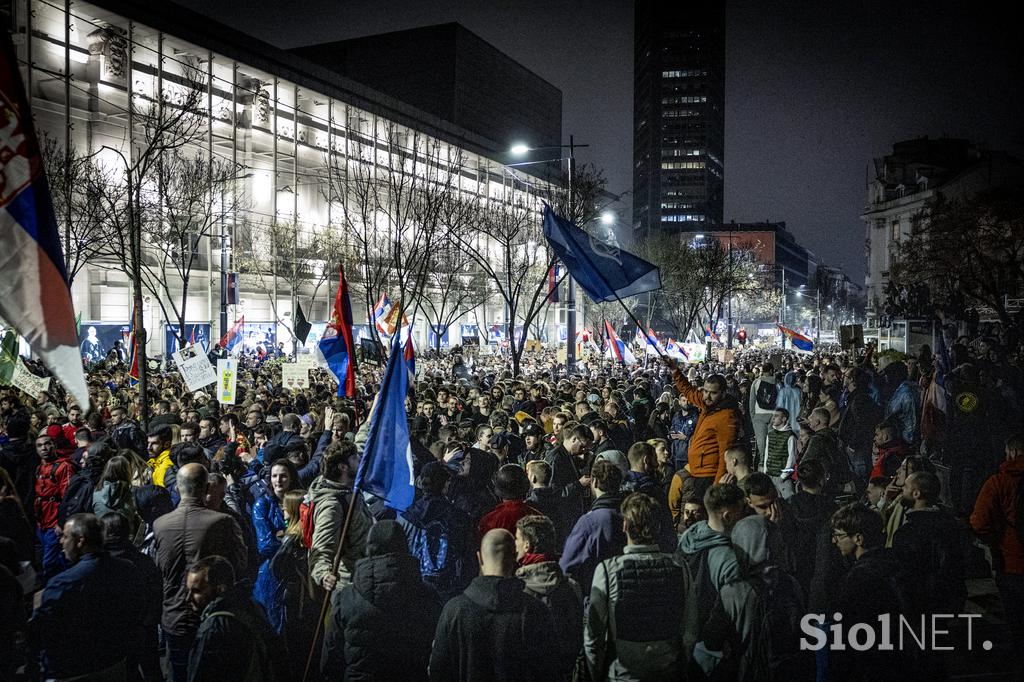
pixel 133 352
pixel 390 323
pixel 233 336
pixel 936 401
pixel 34 294
pixel 799 341
pixel 337 346
pixel 676 350
pixel 380 312
pixel 410 357
pixel 709 333
pixel 651 344
pixel 617 350
pixel 554 274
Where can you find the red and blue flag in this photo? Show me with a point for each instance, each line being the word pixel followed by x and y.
pixel 799 341
pixel 337 346
pixel 34 294
pixel 233 336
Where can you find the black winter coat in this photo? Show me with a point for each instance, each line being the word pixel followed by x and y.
pixel 494 631
pixel 382 624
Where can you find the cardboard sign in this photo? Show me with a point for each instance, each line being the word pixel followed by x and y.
pixel 533 346
pixel 295 375
pixel 227 376
pixel 27 381
pixel 195 368
pixel 696 352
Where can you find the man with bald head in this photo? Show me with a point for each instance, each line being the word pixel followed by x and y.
pixel 494 630
pixel 182 537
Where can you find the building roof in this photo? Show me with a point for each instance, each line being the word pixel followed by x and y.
pixel 204 32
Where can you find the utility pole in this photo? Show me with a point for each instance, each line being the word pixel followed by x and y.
pixel 570 315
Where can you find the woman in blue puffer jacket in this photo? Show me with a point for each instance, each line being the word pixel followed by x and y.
pixel 269 522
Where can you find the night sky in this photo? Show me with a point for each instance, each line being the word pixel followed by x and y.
pixel 814 90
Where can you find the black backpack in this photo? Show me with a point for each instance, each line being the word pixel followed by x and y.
pixel 767 394
pixel 778 653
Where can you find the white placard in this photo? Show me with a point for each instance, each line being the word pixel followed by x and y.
pixel 27 381
pixel 227 375
pixel 195 367
pixel 295 375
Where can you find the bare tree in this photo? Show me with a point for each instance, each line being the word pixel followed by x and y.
pixel 127 194
pixel 73 178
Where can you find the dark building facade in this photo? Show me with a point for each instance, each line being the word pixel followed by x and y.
pixel 450 72
pixel 772 244
pixel 679 116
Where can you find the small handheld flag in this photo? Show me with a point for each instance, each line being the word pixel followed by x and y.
pixel 302 325
pixel 233 336
pixel 386 468
pixel 799 341
pixel 617 349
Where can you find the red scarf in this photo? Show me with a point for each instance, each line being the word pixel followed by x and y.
pixel 530 558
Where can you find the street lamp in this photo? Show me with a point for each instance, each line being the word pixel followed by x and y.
pixel 607 218
pixel 520 149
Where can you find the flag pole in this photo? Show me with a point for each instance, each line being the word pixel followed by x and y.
pixel 639 326
pixel 334 571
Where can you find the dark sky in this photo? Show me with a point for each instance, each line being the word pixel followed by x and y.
pixel 814 90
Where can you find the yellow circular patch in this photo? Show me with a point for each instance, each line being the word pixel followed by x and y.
pixel 967 402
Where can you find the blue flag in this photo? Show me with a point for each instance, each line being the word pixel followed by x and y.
pixel 386 467
pixel 604 271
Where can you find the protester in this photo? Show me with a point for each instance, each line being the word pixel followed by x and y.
pixel 97 597
pixel 598 534
pixel 495 630
pixel 382 624
pixel 634 627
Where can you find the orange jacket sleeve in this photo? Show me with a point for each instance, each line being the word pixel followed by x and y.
pixel 691 392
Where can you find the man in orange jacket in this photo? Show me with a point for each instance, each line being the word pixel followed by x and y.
pixel 717 430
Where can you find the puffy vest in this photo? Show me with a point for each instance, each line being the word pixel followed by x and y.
pixel 778 451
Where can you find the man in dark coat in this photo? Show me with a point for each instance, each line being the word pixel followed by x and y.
pixel 598 534
pixel 494 630
pixel 382 624
pixel 87 610
pixel 234 640
pixel 146 580
pixel 19 459
pixel 182 537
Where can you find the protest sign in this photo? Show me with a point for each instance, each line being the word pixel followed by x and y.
pixel 227 375
pixel 295 375
pixel 27 381
pixel 195 367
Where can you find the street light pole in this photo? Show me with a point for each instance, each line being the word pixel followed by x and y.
pixel 570 315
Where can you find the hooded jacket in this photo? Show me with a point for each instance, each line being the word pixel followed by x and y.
pixel 789 399
pixel 383 623
pixel 994 517
pixel 330 501
pixel 717 430
pixel 235 642
pixel 116 496
pixel 596 536
pixel 722 564
pixel 562 596
pixel 494 631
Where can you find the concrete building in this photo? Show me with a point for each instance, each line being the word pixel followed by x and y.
pixel 773 245
pixel 679 116
pixel 284 122
pixel 452 73
pixel 903 184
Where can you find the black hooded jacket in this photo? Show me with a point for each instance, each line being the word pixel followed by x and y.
pixel 494 631
pixel 383 623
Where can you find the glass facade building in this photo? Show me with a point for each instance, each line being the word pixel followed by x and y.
pixel 294 133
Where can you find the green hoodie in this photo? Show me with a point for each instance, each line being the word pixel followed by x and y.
pixel 721 557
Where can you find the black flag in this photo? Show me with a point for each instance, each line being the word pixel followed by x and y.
pixel 302 325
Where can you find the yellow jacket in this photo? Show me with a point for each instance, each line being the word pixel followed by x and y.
pixel 160 465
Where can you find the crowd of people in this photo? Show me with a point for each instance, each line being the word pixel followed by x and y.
pixel 624 523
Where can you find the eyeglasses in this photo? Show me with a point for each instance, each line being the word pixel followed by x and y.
pixel 839 536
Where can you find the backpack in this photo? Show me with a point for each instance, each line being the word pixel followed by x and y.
pixel 431 548
pixel 767 394
pixel 777 650
pixel 261 667
pixel 702 589
pixel 306 521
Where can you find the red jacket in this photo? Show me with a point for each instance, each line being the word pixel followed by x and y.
pixel 889 459
pixel 505 515
pixel 51 482
pixel 994 515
